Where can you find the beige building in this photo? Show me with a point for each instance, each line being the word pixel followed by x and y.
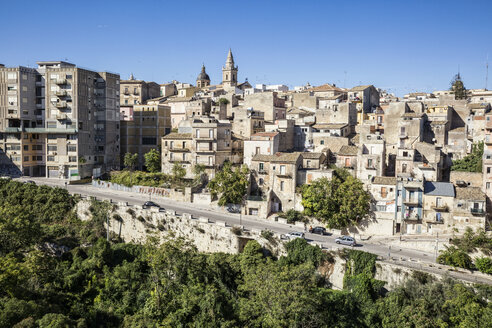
pixel 248 122
pixel 136 92
pixel 438 201
pixel 261 143
pixel 267 102
pixel 144 132
pixel 274 181
pixel 59 120
pixel 201 140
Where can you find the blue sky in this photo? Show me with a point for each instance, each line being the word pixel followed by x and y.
pixel 402 46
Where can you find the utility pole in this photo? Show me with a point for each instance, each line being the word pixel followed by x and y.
pixel 437 244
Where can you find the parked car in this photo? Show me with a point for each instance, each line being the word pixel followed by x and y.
pixel 233 209
pixel 318 230
pixel 150 204
pixel 294 235
pixel 346 240
pixel 30 182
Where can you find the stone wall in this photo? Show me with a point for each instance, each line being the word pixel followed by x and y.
pixel 135 224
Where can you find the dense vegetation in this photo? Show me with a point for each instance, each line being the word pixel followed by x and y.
pixel 471 162
pixel 339 202
pixel 230 184
pixel 97 283
pixel 457 254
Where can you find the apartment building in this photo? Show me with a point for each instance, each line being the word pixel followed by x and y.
pixel 149 123
pixel 135 92
pixel 59 120
pixel 200 140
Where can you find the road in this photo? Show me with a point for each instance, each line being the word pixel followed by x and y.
pixel 405 257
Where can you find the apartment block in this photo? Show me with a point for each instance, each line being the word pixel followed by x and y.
pixel 59 120
pixel 149 123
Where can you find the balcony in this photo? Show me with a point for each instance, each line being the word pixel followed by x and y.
pixel 477 211
pixel 411 202
pixel 402 135
pixel 412 217
pixel 61 81
pixel 205 151
pixel 61 93
pixel 61 117
pixel 284 175
pixel 61 104
pixel 426 167
pixel 262 172
pixel 13 129
pixel 434 220
pixel 440 208
pixel 370 167
pixel 51 130
pixel 179 150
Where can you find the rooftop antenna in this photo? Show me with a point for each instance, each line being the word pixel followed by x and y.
pixel 487 72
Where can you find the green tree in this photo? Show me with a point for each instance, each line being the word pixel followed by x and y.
pixel 179 171
pixel 471 162
pixel 458 87
pixel 153 161
pixel 484 264
pixel 130 161
pixel 339 202
pixel 223 101
pixel 230 184
pixel 455 257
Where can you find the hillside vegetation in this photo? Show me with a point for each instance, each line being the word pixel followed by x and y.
pixel 96 283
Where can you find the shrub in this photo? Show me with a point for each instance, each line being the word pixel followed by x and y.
pixel 455 257
pixel 484 264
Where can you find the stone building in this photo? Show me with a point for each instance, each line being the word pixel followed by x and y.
pixel 203 80
pixel 200 140
pixel 383 192
pixel 136 92
pixel 261 143
pixel 59 121
pixel 229 72
pixel 267 102
pixel 275 177
pixel 438 201
pixel 470 209
pixel 144 131
pixel 371 157
pixel 247 122
pixel 346 158
pixel 409 205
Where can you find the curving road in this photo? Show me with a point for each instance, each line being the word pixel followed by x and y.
pixel 406 257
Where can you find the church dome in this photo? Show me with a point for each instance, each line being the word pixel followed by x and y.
pixel 203 75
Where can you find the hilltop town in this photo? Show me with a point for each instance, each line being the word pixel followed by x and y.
pixel 60 121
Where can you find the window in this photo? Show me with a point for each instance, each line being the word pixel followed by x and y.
pixel 257 151
pixel 37 158
pixel 171 145
pixel 210 161
pixel 383 192
pixel 381 208
pixel 210 133
pixel 369 162
pixel 282 169
pixel 261 167
pixel 198 133
pixel 81 126
pixel 52 148
pixel 184 144
pixel 37 147
pixel 322 142
pixel 171 156
pixel 398 208
pixel 260 181
pixel 135 102
pixel 71 148
pixel 404 168
pixel 281 185
pixel 26 158
pixel 50 158
pixel 126 101
pixel 488 169
pixel 26 147
pixel 149 141
pixel 72 159
pixel 487 185
pixel 184 156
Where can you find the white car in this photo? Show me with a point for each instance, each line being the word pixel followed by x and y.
pixel 346 240
pixel 295 235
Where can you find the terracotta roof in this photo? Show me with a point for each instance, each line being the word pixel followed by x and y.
pixel 310 155
pixel 330 125
pixel 348 151
pixel 326 87
pixel 175 135
pixel 265 134
pixel 391 181
pixel 470 193
pixel 412 114
pixel 438 122
pixel 278 157
pixel 361 87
